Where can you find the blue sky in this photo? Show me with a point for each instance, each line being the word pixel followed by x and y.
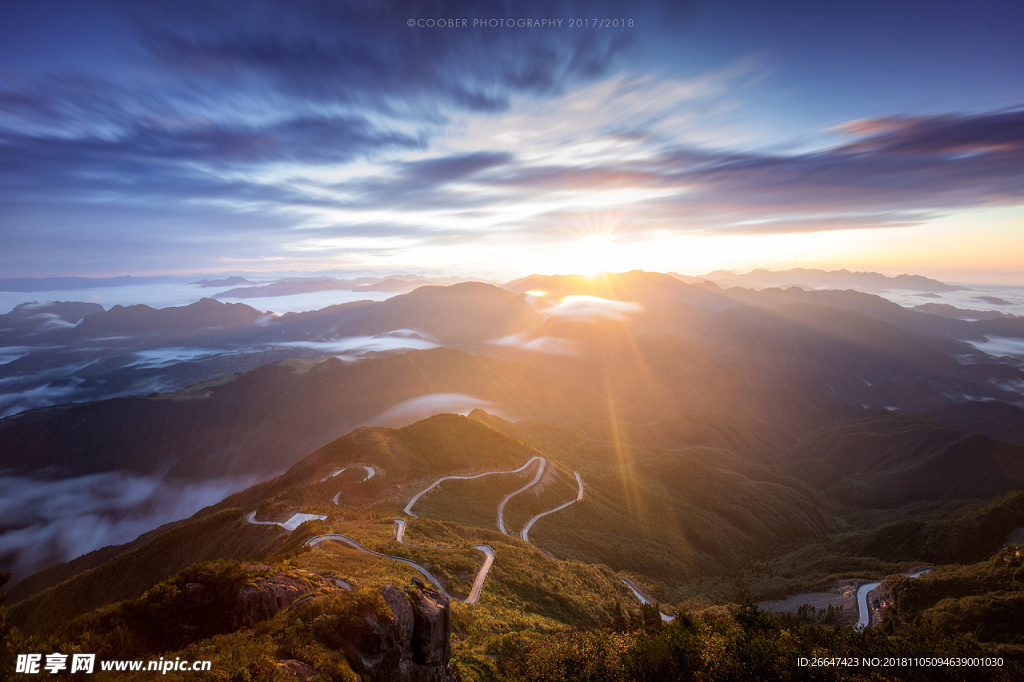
pixel 208 137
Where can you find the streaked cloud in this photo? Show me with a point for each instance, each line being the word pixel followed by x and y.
pixel 318 135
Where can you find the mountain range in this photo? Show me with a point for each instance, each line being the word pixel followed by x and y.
pixel 622 436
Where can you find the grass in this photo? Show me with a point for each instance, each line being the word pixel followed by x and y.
pixel 713 520
pixel 666 516
pixel 472 502
pixel 556 487
pixel 224 535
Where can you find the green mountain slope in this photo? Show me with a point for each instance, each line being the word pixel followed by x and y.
pixel 661 513
pixel 702 505
pixel 880 459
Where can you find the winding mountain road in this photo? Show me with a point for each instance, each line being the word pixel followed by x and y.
pixel 291 524
pixel 344 539
pixel 408 508
pixel 504 500
pixel 525 533
pixel 370 473
pixel 400 538
pixel 635 589
pixel 298 519
pixel 478 582
pixel 863 612
pixel 864 615
pixel 400 524
pixel 481 575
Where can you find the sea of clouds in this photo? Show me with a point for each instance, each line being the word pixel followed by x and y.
pixel 44 521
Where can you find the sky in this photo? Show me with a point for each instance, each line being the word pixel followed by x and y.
pixel 498 139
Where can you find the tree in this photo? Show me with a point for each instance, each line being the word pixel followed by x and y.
pixel 7 633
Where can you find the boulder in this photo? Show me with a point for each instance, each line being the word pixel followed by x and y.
pixel 412 645
pixel 259 602
pixel 432 630
pixel 297 670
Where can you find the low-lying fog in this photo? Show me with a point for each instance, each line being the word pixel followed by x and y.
pixel 998 346
pixel 1007 300
pixel 47 521
pixel 140 372
pixel 165 295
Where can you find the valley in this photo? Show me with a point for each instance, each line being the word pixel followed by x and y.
pixel 637 459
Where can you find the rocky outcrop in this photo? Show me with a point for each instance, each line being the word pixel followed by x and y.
pixel 264 599
pixel 432 629
pixel 413 644
pixel 297 670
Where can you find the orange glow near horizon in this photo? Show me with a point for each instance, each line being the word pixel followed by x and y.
pixel 938 249
pixel 603 242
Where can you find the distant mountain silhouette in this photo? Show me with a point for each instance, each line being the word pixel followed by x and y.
pixel 879 459
pixel 305 285
pixel 946 310
pixel 656 290
pixel 28 320
pixel 264 420
pixel 288 287
pixel 773 354
pixel 135 319
pixel 830 279
pixel 226 282
pixel 994 419
pixel 462 316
